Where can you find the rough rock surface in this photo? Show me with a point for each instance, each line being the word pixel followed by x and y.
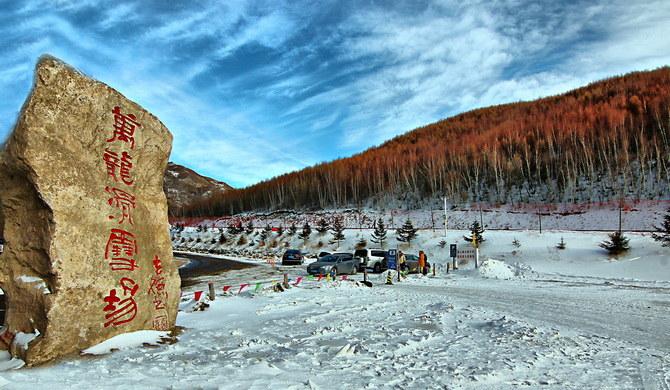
pixel 183 186
pixel 87 253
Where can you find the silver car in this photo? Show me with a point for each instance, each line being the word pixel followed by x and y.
pixel 337 263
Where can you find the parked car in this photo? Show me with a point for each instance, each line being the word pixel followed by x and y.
pixel 413 263
pixel 372 258
pixel 322 254
pixel 292 257
pixel 337 263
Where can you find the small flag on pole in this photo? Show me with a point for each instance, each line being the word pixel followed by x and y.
pixel 225 289
pixel 197 295
pixel 344 277
pixel 320 277
pixel 242 286
pixel 297 281
pixel 259 287
pixel 310 277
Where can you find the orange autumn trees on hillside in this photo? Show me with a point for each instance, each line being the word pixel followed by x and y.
pixel 598 142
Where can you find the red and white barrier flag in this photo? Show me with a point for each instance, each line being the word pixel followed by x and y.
pixel 297 281
pixel 242 286
pixel 225 289
pixel 197 295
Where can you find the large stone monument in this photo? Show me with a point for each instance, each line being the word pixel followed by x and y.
pixel 87 251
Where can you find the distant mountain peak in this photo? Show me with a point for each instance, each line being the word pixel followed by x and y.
pixel 183 186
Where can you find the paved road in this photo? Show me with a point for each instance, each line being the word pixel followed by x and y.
pixel 200 265
pixel 625 312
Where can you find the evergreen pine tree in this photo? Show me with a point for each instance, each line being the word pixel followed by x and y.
pixel 476 231
pixel 379 234
pixel 338 230
pixel 306 231
pixel 264 233
pixel 292 230
pixel 407 232
pixel 250 228
pixel 617 244
pixel 663 232
pixel 322 226
pixel 561 245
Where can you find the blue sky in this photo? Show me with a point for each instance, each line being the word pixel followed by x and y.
pixel 255 89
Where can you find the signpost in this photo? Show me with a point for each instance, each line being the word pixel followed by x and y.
pixel 391 260
pixel 453 252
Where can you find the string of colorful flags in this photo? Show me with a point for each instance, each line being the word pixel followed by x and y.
pixel 258 286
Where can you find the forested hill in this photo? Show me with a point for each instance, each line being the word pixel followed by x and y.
pixel 603 141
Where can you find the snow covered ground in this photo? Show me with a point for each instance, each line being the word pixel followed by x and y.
pixel 535 317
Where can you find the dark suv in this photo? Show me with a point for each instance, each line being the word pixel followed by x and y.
pixel 292 257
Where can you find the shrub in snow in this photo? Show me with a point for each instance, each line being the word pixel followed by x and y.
pixel 322 226
pixel 319 244
pixel 561 245
pixel 265 232
pixel 361 244
pixel 442 244
pixel 662 234
pixel 292 230
pixel 338 231
pixel 517 244
pixel 280 231
pixel 407 232
pixel 222 239
pixel 617 244
pixel 242 240
pixel 379 234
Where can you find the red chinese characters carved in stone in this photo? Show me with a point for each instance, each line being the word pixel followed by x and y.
pixel 160 322
pixel 120 249
pixel 121 309
pixel 157 285
pixel 118 168
pixel 124 127
pixel 123 201
pixel 158 266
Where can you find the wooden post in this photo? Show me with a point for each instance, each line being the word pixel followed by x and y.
pixel 433 269
pixel 286 281
pixel 432 219
pixel 397 267
pixel 212 293
pixel 365 274
pixel 447 268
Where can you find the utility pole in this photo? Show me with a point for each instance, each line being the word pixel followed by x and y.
pixel 620 207
pixel 445 217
